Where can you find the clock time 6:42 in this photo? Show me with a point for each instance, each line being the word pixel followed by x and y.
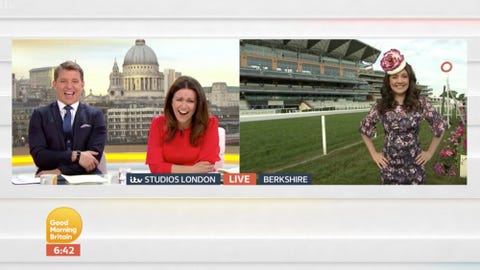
pixel 63 249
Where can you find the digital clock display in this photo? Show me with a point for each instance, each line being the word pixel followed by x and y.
pixel 63 249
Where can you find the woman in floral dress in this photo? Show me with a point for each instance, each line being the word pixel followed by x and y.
pixel 401 110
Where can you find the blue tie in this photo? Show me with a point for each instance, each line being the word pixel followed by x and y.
pixel 67 122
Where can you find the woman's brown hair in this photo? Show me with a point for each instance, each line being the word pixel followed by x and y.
pixel 199 118
pixel 411 102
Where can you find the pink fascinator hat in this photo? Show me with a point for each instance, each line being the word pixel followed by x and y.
pixel 393 62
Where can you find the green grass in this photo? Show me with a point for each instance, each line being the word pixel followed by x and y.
pixel 295 146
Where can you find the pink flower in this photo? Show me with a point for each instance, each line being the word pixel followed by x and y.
pixel 448 162
pixel 445 152
pixel 438 168
pixel 452 172
pixel 459 131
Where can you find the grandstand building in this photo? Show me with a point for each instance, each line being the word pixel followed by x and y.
pixel 294 73
pixel 309 74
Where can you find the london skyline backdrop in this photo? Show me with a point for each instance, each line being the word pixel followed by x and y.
pixel 208 60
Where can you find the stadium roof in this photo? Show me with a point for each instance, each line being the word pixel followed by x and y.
pixel 347 49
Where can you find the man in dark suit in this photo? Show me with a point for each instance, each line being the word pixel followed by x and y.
pixel 66 136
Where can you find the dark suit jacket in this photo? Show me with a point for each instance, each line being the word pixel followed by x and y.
pixel 47 142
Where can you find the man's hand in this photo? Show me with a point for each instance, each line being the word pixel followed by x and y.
pixel 88 160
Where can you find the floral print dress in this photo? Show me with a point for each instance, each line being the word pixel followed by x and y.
pixel 402 143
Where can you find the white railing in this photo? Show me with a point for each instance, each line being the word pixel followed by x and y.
pixel 275 116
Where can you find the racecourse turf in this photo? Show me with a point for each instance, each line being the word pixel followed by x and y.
pixel 295 146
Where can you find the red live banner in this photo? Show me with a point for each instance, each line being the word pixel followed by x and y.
pixel 240 179
pixel 63 249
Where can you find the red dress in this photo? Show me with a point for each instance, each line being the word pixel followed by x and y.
pixel 162 155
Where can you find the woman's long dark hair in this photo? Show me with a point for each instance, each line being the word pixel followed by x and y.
pixel 199 118
pixel 411 102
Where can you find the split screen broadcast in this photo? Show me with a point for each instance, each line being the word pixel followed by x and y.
pixel 239 111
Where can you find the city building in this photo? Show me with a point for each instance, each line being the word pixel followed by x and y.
pixel 140 76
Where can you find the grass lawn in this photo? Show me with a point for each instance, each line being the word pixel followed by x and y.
pixel 295 146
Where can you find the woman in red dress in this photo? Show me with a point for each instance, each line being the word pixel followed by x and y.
pixel 184 139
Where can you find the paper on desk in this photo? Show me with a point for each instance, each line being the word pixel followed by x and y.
pixel 25 179
pixel 229 170
pixel 85 179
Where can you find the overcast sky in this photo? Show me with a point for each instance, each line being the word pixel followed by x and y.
pixel 208 60
pixel 426 56
pixel 217 60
